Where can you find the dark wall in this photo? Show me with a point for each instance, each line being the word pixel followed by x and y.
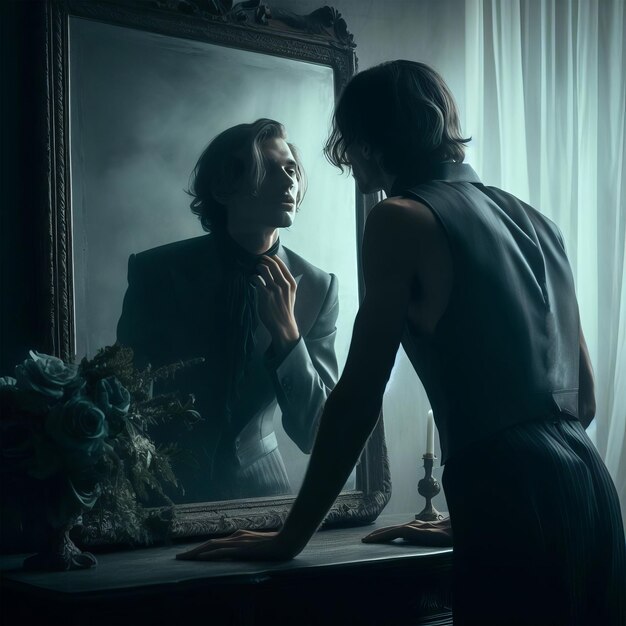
pixel 23 188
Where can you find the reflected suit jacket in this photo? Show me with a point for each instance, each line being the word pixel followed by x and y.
pixel 172 312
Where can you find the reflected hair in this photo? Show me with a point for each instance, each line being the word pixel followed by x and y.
pixel 402 109
pixel 233 162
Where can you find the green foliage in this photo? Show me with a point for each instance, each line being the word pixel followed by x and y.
pixel 90 424
pixel 133 506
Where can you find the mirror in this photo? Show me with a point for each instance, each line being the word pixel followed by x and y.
pixel 143 108
pixel 145 90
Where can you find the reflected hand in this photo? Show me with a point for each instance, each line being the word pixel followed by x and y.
pixel 432 534
pixel 242 545
pixel 276 291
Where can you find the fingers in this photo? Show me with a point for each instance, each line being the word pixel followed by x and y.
pixel 432 537
pixel 217 554
pixel 278 271
pixel 436 533
pixel 418 524
pixel 194 552
pixel 208 553
pixel 258 281
pixel 211 544
pixel 214 548
pixel 285 271
pixel 444 523
pixel 239 544
pixel 380 535
pixel 270 280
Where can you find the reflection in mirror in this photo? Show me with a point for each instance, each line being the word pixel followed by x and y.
pixel 144 107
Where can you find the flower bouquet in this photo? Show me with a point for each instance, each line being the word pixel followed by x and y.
pixel 75 451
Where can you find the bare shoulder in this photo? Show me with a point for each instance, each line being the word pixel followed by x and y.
pixel 402 204
pixel 405 247
pixel 399 214
pixel 397 221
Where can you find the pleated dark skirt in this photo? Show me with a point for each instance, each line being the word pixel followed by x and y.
pixel 538 534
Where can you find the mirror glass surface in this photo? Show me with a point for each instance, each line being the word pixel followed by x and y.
pixel 143 107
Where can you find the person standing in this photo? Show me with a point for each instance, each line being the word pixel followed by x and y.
pixel 477 286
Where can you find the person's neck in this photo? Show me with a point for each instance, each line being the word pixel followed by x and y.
pixel 389 181
pixel 255 242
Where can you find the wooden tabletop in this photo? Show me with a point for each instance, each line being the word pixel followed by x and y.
pixel 150 568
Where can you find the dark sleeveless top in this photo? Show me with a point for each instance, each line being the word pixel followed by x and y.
pixel 507 347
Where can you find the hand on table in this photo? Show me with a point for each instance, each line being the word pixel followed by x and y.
pixel 242 545
pixel 432 534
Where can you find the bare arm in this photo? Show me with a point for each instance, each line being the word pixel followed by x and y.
pixel 402 243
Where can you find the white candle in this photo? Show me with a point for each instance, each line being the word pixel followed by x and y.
pixel 430 434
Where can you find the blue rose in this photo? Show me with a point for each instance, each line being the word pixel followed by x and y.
pixel 79 428
pixel 46 375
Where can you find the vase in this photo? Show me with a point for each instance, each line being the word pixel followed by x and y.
pixel 59 553
pixel 58 506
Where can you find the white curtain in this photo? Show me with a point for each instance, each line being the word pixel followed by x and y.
pixel 545 103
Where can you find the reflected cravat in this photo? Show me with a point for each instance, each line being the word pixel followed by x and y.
pixel 240 311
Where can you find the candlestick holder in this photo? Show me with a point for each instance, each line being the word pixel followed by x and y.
pixel 428 487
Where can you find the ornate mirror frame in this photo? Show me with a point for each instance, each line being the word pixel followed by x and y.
pixel 320 37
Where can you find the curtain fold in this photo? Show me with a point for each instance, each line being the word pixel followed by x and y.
pixel 545 103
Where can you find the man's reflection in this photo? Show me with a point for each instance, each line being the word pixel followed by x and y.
pixel 230 297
